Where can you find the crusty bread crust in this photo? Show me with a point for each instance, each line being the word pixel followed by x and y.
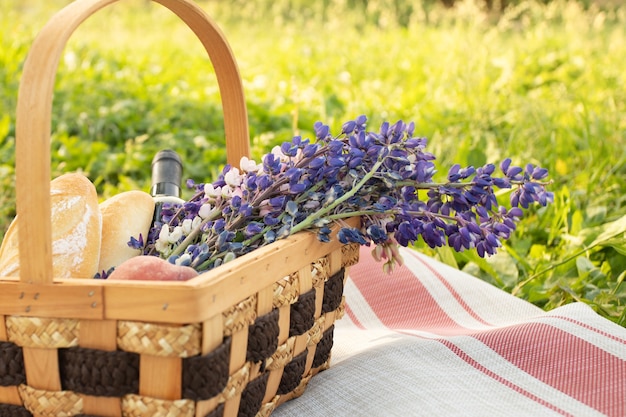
pixel 123 215
pixel 76 230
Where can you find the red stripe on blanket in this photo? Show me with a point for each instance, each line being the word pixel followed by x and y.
pixel 450 288
pixel 395 298
pixel 593 329
pixel 570 364
pixel 459 352
pixel 567 363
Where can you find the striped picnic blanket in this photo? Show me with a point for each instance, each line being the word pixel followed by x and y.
pixel 430 340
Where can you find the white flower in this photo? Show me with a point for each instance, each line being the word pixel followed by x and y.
pixel 205 210
pixel 176 234
pixel 233 178
pixel 164 233
pixel 248 165
pixel 211 191
pixel 196 222
pixel 162 244
pixel 225 191
pixel 187 226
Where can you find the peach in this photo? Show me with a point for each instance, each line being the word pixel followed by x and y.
pixel 151 268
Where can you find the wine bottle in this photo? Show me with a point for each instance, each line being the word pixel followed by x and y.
pixel 167 172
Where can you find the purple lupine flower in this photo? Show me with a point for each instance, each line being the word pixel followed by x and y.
pixel 136 243
pixel 377 175
pixel 321 131
pixel 377 234
pixel 351 235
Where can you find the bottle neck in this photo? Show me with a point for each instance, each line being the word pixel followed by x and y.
pixel 165 189
pixel 167 170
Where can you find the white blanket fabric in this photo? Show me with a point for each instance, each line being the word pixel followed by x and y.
pixel 429 340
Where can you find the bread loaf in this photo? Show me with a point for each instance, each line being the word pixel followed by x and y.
pixel 124 215
pixel 76 231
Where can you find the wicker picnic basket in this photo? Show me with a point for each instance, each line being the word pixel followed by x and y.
pixel 237 340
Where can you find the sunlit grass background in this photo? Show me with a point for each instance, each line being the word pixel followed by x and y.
pixel 541 83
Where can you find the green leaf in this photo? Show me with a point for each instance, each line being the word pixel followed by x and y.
pixel 611 230
pixel 506 268
pixel 622 318
pixel 619 244
pixel 576 223
pixel 446 255
pixel 619 282
pixel 584 266
pixel 500 268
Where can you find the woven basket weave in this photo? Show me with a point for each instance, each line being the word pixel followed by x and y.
pixel 237 340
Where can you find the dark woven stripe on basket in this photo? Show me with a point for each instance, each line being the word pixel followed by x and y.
pixel 218 412
pixel 98 372
pixel 10 410
pixel 263 337
pixel 206 376
pixel 11 365
pixel 292 374
pixel 333 292
pixel 252 396
pixel 324 346
pixel 302 314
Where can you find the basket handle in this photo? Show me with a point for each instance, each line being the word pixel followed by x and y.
pixel 33 120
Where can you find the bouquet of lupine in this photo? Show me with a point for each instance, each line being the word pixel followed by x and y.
pixel 385 178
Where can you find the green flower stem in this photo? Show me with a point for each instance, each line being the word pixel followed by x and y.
pixel 348 214
pixel 202 267
pixel 246 242
pixel 563 261
pixel 191 237
pixel 429 185
pixel 344 215
pixel 324 210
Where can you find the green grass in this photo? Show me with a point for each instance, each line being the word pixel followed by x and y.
pixel 541 83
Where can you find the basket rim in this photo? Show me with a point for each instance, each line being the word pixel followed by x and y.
pixel 190 301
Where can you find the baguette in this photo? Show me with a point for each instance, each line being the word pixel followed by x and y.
pixel 125 215
pixel 76 230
